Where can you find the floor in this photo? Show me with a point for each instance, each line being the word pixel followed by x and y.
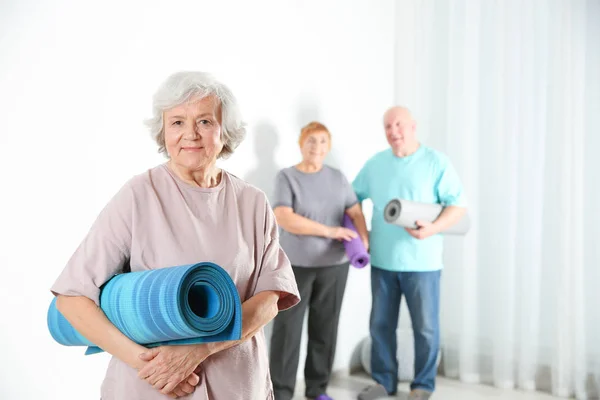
pixel 346 388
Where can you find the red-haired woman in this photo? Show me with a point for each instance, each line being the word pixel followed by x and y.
pixel 310 201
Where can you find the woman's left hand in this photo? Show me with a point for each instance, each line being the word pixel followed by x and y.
pixel 168 366
pixel 365 241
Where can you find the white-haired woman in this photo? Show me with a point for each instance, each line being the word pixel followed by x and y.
pixel 181 212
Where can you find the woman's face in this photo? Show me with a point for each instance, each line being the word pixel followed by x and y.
pixel 315 147
pixel 193 133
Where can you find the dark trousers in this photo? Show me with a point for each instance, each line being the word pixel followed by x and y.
pixel 322 291
pixel 422 293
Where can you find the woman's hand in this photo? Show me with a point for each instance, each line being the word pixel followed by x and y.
pixel 365 240
pixel 187 386
pixel 340 233
pixel 168 367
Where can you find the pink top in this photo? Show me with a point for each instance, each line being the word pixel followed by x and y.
pixel 155 221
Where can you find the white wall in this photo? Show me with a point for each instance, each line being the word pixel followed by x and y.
pixel 75 85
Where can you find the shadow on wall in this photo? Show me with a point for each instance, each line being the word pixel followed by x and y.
pixel 266 141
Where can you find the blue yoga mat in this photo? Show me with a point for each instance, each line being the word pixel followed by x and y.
pixel 186 304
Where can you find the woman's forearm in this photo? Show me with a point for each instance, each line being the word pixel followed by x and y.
pixel 358 219
pixel 299 225
pixel 257 312
pixel 89 320
pixel 173 363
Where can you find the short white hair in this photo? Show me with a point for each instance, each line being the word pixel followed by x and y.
pixel 180 87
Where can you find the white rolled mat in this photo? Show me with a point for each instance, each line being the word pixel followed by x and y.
pixel 405 213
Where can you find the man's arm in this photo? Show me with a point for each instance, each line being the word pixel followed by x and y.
pixel 449 191
pixel 451 194
pixel 449 216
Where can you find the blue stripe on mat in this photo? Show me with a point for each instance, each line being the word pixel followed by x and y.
pixel 188 304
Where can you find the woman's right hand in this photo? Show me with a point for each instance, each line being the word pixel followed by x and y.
pixel 186 387
pixel 340 233
pixel 168 366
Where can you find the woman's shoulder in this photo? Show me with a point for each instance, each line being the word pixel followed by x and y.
pixel 332 169
pixel 244 188
pixel 335 172
pixel 287 170
pixel 148 178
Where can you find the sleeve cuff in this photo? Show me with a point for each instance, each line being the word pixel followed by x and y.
pixel 91 293
pixel 289 295
pixel 280 204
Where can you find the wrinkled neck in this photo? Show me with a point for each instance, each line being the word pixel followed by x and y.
pixel 204 177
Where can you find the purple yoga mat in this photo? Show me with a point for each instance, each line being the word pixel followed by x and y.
pixel 355 249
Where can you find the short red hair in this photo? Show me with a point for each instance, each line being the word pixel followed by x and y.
pixel 312 127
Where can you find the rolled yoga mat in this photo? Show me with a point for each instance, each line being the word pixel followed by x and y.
pixel 405 213
pixel 186 304
pixel 355 249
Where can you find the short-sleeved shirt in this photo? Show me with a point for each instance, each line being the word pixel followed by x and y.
pixel 157 220
pixel 425 176
pixel 322 196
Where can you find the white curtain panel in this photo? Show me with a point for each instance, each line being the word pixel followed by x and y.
pixel 510 90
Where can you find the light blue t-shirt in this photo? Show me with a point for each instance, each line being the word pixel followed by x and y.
pixel 425 176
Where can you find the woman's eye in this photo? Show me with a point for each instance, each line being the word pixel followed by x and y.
pixel 204 122
pixel 177 123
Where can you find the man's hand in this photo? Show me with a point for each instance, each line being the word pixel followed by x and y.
pixel 424 230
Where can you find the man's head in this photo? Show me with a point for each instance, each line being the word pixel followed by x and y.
pixel 400 130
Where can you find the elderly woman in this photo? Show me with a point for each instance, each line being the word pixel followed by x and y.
pixel 181 212
pixel 310 201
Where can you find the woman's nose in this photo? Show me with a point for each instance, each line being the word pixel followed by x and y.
pixel 191 132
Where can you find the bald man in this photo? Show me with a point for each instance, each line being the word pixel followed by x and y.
pixel 406 262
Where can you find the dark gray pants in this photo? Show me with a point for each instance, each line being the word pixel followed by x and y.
pixel 322 290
